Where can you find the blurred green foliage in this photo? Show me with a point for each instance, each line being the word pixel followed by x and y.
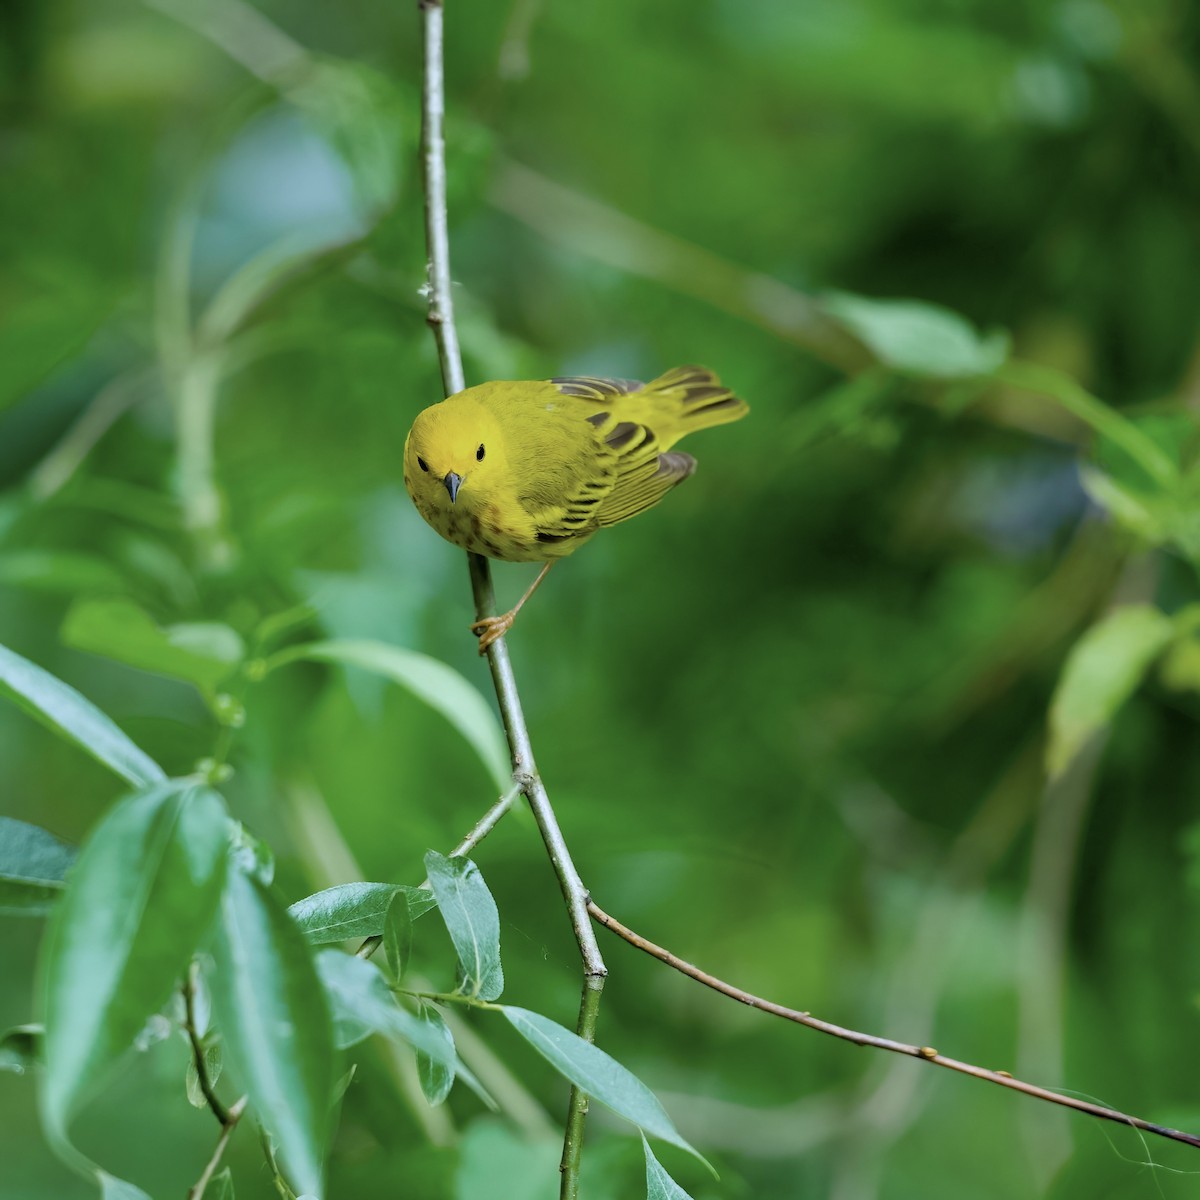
pixel 794 721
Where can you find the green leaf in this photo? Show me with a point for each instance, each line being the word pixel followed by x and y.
pixel 65 711
pixel 431 681
pixel 659 1185
pixel 472 920
pixel 21 1049
pixel 596 1073
pixel 436 1077
pixel 362 1004
pixel 201 653
pixel 397 935
pixel 252 855
pixel 142 896
pixel 212 1068
pixel 33 868
pixel 112 1188
pixel 61 571
pixel 354 910
pixel 220 1187
pixel 1102 671
pixel 918 338
pixel 275 1022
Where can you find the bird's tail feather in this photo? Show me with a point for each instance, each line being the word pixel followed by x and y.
pixel 689 398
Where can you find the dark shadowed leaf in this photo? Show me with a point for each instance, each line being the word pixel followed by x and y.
pixel 273 1016
pixel 397 935
pixel 473 922
pixel 659 1185
pixel 1102 671
pixel 21 1049
pixel 601 1076
pixel 436 1077
pixel 61 707
pixel 354 910
pixel 439 686
pixel 203 653
pixel 142 896
pixel 33 868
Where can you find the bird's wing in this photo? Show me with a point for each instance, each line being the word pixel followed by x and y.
pixel 644 474
pixel 593 387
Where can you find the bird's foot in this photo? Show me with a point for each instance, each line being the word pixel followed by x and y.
pixel 490 628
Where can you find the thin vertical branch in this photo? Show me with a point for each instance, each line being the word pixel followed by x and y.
pixel 441 322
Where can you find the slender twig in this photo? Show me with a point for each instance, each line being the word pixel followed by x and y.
pixel 196 1191
pixel 926 1053
pixel 228 1117
pixel 206 1086
pixel 441 322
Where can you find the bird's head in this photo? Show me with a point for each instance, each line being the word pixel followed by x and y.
pixel 453 453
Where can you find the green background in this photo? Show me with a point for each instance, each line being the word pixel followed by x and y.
pixel 793 721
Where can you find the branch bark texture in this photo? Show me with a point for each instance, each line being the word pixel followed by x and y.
pixel 441 322
pixel 926 1053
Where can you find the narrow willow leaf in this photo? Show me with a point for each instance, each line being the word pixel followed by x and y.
pixel 33 868
pixel 220 1187
pixel 659 1185
pixel 142 896
pixel 21 1049
pixel 362 1004
pixel 354 910
pixel 275 1022
pixel 472 920
pixel 64 710
pixel 431 681
pixel 1102 671
pixel 397 935
pixel 919 338
pixel 212 1068
pixel 596 1073
pixel 201 653
pixel 252 855
pixel 436 1077
pixel 118 1189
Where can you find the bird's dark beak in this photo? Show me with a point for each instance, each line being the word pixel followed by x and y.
pixel 453 483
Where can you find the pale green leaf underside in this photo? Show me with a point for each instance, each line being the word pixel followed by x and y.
pixel 598 1074
pixel 1104 668
pixel 64 710
pixel 659 1185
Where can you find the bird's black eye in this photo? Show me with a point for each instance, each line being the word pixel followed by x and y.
pixel 479 454
pixel 422 464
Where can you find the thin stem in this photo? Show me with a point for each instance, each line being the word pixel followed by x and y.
pixel 437 232
pixel 441 322
pixel 206 1086
pixel 281 1184
pixel 197 1189
pixel 577 1106
pixel 926 1053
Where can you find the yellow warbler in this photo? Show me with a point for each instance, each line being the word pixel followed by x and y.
pixel 528 471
